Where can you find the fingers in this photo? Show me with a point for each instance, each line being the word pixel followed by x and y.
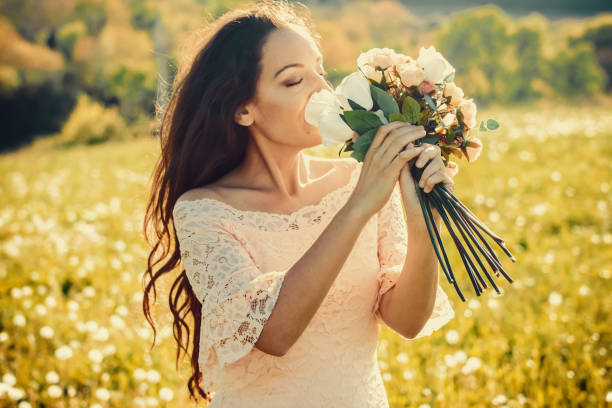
pixel 429 153
pixel 434 166
pixel 398 140
pixel 383 131
pixel 404 156
pixel 437 177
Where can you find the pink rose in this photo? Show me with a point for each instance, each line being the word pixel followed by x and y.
pixel 468 108
pixel 381 60
pixel 452 169
pixel 376 57
pixel 399 58
pixel 473 148
pixel 454 92
pixel 410 74
pixel 427 87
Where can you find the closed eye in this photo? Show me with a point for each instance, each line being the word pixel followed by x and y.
pixel 295 83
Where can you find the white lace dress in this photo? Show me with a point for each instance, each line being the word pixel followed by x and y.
pixel 236 261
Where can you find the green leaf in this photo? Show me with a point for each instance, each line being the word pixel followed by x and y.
pixel 449 78
pixel 383 100
pixel 362 144
pixel 354 105
pixel 361 120
pixel 482 127
pixel 396 116
pixel 492 124
pixel 431 139
pixel 411 109
pixel 430 101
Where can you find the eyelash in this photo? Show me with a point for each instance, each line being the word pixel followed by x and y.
pixel 295 83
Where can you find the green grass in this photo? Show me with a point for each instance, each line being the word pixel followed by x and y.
pixel 72 254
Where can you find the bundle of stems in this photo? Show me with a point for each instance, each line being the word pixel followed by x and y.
pixel 450 208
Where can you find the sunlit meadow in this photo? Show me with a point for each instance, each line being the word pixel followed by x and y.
pixel 72 333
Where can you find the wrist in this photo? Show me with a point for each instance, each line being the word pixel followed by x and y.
pixel 353 213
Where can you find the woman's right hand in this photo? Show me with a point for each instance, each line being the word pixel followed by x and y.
pixel 391 148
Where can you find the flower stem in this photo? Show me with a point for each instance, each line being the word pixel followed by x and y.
pixel 464 254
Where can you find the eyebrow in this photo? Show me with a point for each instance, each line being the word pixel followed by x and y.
pixel 320 57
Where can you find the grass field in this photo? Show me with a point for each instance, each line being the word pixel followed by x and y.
pixel 72 333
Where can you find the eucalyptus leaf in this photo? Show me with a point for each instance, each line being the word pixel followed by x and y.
pixel 482 127
pixel 381 116
pixel 492 124
pixel 430 101
pixel 449 78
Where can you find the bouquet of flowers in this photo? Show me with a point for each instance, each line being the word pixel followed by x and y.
pixel 392 86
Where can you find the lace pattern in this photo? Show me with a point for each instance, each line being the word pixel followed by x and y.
pixel 236 262
pixel 237 298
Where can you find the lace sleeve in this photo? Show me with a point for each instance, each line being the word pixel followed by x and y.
pixel 237 298
pixel 392 244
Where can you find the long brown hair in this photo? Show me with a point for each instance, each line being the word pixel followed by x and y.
pixel 200 143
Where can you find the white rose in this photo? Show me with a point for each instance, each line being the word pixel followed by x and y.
pixel 435 66
pixel 355 87
pixel 333 129
pixel 323 111
pixel 319 102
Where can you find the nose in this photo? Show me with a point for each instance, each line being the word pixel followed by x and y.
pixel 325 84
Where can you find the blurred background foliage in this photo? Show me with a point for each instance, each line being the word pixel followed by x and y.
pixel 122 53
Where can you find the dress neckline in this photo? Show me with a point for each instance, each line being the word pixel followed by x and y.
pixel 323 201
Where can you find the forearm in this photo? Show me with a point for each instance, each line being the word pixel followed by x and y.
pixel 412 299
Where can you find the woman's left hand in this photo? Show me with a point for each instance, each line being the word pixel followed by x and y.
pixel 434 172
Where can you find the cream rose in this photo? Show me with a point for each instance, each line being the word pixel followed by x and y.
pixel 434 65
pixel 410 74
pixel 473 148
pixel 372 73
pixel 454 92
pixel 468 108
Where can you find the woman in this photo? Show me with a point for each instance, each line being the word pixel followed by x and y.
pixel 290 261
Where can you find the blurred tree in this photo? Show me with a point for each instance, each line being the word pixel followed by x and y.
pixel 601 38
pixel 575 71
pixel 92 13
pixel 477 40
pixel 36 108
pixel 528 46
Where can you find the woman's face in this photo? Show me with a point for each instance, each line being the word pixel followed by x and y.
pixel 292 70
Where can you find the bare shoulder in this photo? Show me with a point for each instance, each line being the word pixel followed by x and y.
pixel 199 193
